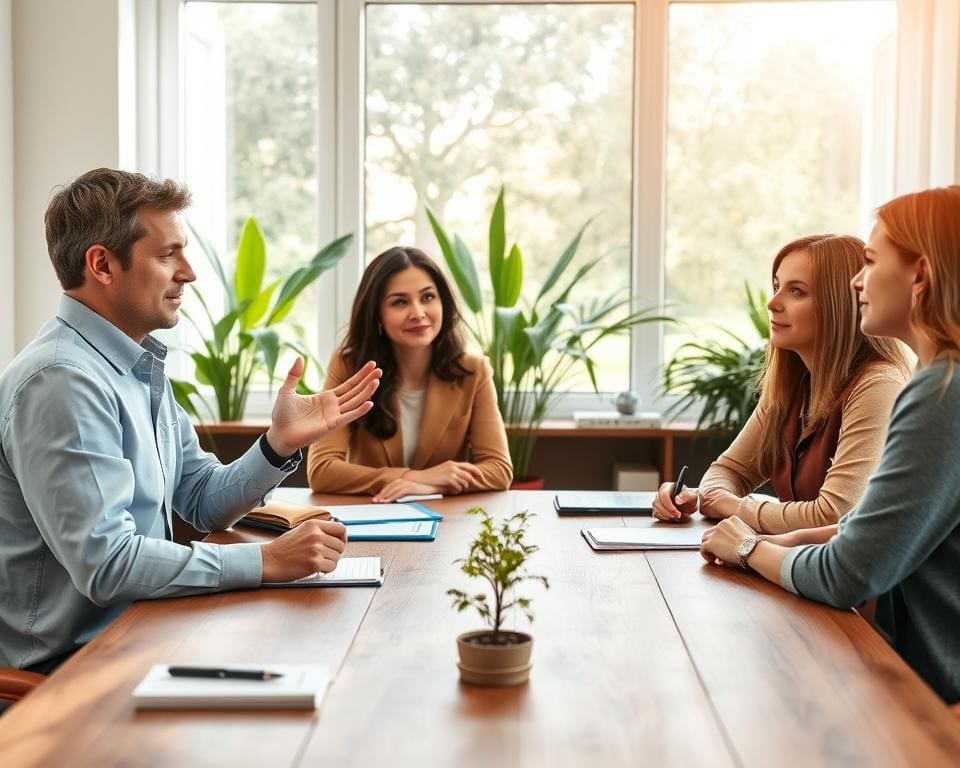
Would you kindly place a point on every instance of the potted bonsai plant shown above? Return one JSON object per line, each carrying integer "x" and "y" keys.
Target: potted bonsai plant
{"x": 498, "y": 555}
{"x": 537, "y": 350}
{"x": 245, "y": 339}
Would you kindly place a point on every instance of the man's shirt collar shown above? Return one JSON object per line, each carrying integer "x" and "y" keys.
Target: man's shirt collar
{"x": 114, "y": 345}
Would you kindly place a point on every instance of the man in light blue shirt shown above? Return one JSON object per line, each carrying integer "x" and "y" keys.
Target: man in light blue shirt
{"x": 96, "y": 456}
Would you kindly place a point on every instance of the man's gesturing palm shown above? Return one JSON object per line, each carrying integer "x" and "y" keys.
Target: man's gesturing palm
{"x": 299, "y": 420}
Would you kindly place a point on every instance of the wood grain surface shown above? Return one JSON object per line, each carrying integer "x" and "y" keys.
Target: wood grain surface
{"x": 638, "y": 659}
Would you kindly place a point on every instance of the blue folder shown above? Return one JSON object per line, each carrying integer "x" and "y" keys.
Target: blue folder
{"x": 385, "y": 513}
{"x": 426, "y": 531}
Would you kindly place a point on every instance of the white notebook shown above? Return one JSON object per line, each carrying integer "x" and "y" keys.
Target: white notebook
{"x": 350, "y": 572}
{"x": 301, "y": 687}
{"x": 665, "y": 536}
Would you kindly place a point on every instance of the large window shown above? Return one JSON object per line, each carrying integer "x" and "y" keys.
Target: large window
{"x": 321, "y": 118}
{"x": 463, "y": 98}
{"x": 778, "y": 126}
{"x": 250, "y": 136}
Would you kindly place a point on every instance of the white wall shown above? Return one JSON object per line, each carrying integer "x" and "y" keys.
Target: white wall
{"x": 65, "y": 121}
{"x": 6, "y": 186}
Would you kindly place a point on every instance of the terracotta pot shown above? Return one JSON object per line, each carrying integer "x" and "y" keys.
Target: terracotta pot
{"x": 483, "y": 662}
{"x": 528, "y": 483}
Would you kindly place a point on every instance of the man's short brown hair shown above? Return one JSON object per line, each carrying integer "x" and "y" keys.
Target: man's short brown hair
{"x": 100, "y": 208}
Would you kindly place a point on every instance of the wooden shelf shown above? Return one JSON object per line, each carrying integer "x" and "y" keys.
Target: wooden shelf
{"x": 549, "y": 428}
{"x": 559, "y": 439}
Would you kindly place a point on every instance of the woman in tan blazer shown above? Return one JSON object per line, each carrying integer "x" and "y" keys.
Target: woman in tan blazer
{"x": 435, "y": 426}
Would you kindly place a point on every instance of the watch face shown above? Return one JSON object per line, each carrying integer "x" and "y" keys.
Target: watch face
{"x": 746, "y": 546}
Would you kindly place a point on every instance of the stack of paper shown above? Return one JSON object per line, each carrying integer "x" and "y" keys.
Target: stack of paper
{"x": 661, "y": 536}
{"x": 302, "y": 686}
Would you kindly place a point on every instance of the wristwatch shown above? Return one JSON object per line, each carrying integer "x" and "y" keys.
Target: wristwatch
{"x": 746, "y": 549}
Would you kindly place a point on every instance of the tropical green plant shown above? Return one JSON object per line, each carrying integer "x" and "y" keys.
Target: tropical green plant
{"x": 245, "y": 339}
{"x": 721, "y": 375}
{"x": 535, "y": 352}
{"x": 498, "y": 555}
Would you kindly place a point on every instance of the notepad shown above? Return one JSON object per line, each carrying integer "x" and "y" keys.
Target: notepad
{"x": 663, "y": 536}
{"x": 301, "y": 687}
{"x": 425, "y": 530}
{"x": 604, "y": 503}
{"x": 418, "y": 497}
{"x": 350, "y": 572}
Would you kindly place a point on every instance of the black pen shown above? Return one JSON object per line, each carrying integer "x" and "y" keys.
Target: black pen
{"x": 678, "y": 484}
{"x": 223, "y": 674}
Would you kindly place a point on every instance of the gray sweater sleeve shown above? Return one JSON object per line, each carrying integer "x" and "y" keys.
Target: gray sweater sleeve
{"x": 910, "y": 507}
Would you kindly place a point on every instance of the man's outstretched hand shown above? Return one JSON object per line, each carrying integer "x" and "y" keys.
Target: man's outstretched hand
{"x": 299, "y": 420}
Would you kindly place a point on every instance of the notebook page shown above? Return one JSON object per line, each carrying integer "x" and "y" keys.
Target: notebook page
{"x": 348, "y": 569}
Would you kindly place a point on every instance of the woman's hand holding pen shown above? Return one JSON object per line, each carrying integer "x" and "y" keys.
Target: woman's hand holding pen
{"x": 666, "y": 508}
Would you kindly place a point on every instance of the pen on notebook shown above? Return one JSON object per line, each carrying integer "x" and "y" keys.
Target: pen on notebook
{"x": 223, "y": 674}
{"x": 678, "y": 484}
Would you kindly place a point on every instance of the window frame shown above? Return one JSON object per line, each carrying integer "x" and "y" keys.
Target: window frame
{"x": 340, "y": 172}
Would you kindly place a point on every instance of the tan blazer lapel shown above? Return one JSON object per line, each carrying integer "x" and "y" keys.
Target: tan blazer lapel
{"x": 440, "y": 405}
{"x": 393, "y": 448}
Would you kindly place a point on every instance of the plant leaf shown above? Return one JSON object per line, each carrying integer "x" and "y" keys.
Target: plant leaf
{"x": 183, "y": 393}
{"x": 268, "y": 342}
{"x": 511, "y": 278}
{"x": 561, "y": 265}
{"x": 459, "y": 262}
{"x": 326, "y": 258}
{"x": 215, "y": 262}
{"x": 251, "y": 262}
{"x": 498, "y": 242}
{"x": 258, "y": 307}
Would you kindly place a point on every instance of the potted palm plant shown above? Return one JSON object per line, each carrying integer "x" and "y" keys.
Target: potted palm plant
{"x": 536, "y": 350}
{"x": 244, "y": 340}
{"x": 498, "y": 555}
{"x": 721, "y": 376}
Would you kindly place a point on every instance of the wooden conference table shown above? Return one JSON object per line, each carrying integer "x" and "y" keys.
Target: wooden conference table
{"x": 638, "y": 659}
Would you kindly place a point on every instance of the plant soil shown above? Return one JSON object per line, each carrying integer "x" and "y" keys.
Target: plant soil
{"x": 499, "y": 638}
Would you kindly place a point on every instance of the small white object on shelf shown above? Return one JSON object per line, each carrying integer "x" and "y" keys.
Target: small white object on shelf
{"x": 639, "y": 420}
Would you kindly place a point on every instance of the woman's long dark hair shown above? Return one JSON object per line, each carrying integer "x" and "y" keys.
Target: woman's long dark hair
{"x": 366, "y": 341}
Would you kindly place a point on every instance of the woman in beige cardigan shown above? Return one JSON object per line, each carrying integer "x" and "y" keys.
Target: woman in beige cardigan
{"x": 435, "y": 426}
{"x": 825, "y": 400}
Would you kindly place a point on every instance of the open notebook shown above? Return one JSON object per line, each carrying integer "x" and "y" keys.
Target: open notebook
{"x": 350, "y": 572}
{"x": 302, "y": 686}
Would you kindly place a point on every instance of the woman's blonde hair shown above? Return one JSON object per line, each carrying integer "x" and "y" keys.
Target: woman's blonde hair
{"x": 840, "y": 348}
{"x": 927, "y": 223}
